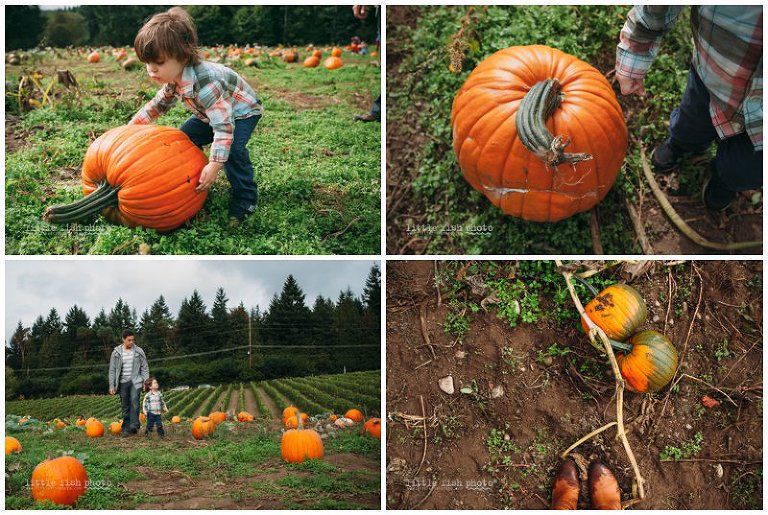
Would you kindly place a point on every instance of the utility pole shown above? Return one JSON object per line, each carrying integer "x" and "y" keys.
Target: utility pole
{"x": 250, "y": 341}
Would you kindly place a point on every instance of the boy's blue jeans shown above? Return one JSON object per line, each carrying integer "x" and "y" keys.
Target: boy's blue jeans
{"x": 737, "y": 165}
{"x": 238, "y": 166}
{"x": 154, "y": 419}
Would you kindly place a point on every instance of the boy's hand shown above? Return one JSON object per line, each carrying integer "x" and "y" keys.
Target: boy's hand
{"x": 208, "y": 175}
{"x": 630, "y": 86}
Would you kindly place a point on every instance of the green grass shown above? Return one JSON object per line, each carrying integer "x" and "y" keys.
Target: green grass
{"x": 423, "y": 89}
{"x": 317, "y": 170}
{"x": 237, "y": 454}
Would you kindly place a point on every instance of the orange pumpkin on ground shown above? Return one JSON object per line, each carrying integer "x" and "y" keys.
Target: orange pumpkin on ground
{"x": 138, "y": 175}
{"x": 290, "y": 411}
{"x": 332, "y": 63}
{"x": 301, "y": 444}
{"x": 12, "y": 445}
{"x": 317, "y": 53}
{"x": 373, "y": 428}
{"x": 61, "y": 480}
{"x": 115, "y": 427}
{"x": 80, "y": 422}
{"x": 94, "y": 57}
{"x": 336, "y": 52}
{"x": 355, "y": 414}
{"x": 514, "y": 116}
{"x": 244, "y": 416}
{"x": 176, "y": 419}
{"x": 311, "y": 62}
{"x": 647, "y": 361}
{"x": 94, "y": 429}
{"x": 202, "y": 427}
{"x": 142, "y": 418}
{"x": 618, "y": 310}
{"x": 218, "y": 417}
{"x": 290, "y": 57}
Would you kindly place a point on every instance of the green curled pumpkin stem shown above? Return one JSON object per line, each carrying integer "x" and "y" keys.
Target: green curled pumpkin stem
{"x": 620, "y": 346}
{"x": 105, "y": 195}
{"x": 583, "y": 281}
{"x": 531, "y": 121}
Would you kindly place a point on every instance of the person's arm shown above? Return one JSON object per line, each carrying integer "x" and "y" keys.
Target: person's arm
{"x": 143, "y": 370}
{"x": 163, "y": 101}
{"x": 218, "y": 108}
{"x": 112, "y": 373}
{"x": 162, "y": 401}
{"x": 145, "y": 404}
{"x": 639, "y": 43}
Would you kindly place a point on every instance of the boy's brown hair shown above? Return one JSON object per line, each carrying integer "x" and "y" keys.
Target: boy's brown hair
{"x": 168, "y": 34}
{"x": 148, "y": 382}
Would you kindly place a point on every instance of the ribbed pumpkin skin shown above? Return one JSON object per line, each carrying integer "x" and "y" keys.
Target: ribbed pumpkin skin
{"x": 650, "y": 365}
{"x": 62, "y": 480}
{"x": 618, "y": 310}
{"x": 202, "y": 427}
{"x": 157, "y": 170}
{"x": 12, "y": 445}
{"x": 494, "y": 161}
{"x": 355, "y": 414}
{"x": 373, "y": 428}
{"x": 94, "y": 429}
{"x": 298, "y": 445}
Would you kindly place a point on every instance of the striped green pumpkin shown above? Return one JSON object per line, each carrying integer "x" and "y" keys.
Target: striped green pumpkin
{"x": 651, "y": 363}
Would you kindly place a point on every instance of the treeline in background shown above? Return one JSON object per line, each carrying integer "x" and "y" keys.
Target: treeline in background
{"x": 198, "y": 345}
{"x": 27, "y": 26}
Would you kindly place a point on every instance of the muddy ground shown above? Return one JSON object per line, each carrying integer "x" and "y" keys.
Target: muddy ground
{"x": 490, "y": 453}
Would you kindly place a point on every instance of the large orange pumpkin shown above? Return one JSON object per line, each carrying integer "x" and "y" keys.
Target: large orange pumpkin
{"x": 61, "y": 480}
{"x": 648, "y": 363}
{"x": 513, "y": 118}
{"x": 373, "y": 428}
{"x": 218, "y": 417}
{"x": 298, "y": 445}
{"x": 332, "y": 63}
{"x": 202, "y": 427}
{"x": 139, "y": 175}
{"x": 94, "y": 429}
{"x": 12, "y": 445}
{"x": 618, "y": 310}
{"x": 115, "y": 427}
{"x": 355, "y": 414}
{"x": 311, "y": 62}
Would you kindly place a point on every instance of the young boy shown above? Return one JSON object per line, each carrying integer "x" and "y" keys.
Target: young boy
{"x": 154, "y": 406}
{"x": 224, "y": 106}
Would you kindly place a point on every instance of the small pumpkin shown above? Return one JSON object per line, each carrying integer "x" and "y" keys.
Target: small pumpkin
{"x": 202, "y": 427}
{"x": 142, "y": 418}
{"x": 318, "y": 54}
{"x": 12, "y": 445}
{"x": 503, "y": 119}
{"x": 94, "y": 430}
{"x": 373, "y": 428}
{"x": 618, "y": 310}
{"x": 138, "y": 175}
{"x": 301, "y": 444}
{"x": 291, "y": 422}
{"x": 94, "y": 57}
{"x": 290, "y": 411}
{"x": 333, "y": 418}
{"x": 59, "y": 424}
{"x": 332, "y": 63}
{"x": 176, "y": 419}
{"x": 344, "y": 422}
{"x": 647, "y": 361}
{"x": 218, "y": 417}
{"x": 355, "y": 415}
{"x": 311, "y": 62}
{"x": 80, "y": 422}
{"x": 244, "y": 416}
{"x": 61, "y": 480}
{"x": 336, "y": 52}
{"x": 115, "y": 427}
{"x": 290, "y": 57}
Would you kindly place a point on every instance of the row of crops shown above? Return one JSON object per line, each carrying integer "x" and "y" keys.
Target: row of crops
{"x": 315, "y": 395}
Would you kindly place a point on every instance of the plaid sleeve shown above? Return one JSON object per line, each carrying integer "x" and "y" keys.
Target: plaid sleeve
{"x": 640, "y": 38}
{"x": 218, "y": 108}
{"x": 163, "y": 101}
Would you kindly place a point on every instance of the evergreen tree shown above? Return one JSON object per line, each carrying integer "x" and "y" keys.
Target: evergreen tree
{"x": 24, "y": 25}
{"x": 220, "y": 315}
{"x": 105, "y": 335}
{"x": 17, "y": 354}
{"x": 288, "y": 317}
{"x": 372, "y": 291}
{"x": 194, "y": 325}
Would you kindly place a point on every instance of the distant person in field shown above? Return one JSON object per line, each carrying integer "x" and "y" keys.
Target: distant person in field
{"x": 225, "y": 109}
{"x": 154, "y": 406}
{"x": 361, "y": 13}
{"x": 723, "y": 101}
{"x": 128, "y": 369}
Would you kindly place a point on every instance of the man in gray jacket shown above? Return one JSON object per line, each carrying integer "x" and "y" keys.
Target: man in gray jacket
{"x": 128, "y": 369}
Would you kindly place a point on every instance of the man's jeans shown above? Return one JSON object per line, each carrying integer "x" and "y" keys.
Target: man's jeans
{"x": 238, "y": 166}
{"x": 129, "y": 400}
{"x": 737, "y": 164}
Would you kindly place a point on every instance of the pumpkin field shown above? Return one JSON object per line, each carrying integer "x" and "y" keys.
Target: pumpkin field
{"x": 229, "y": 458}
{"x": 492, "y": 382}
{"x": 481, "y": 160}
{"x": 317, "y": 170}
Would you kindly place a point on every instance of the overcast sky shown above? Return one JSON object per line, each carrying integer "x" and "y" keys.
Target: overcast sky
{"x": 34, "y": 287}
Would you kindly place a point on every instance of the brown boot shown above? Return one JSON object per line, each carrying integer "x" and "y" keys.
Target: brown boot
{"x": 565, "y": 492}
{"x": 603, "y": 488}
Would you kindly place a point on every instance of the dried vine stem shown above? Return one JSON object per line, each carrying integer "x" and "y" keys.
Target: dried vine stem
{"x": 594, "y": 333}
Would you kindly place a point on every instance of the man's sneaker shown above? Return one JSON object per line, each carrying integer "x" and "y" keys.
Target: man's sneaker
{"x": 715, "y": 194}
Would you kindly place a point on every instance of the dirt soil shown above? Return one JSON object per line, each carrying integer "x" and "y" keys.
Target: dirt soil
{"x": 405, "y": 144}
{"x": 250, "y": 402}
{"x": 274, "y": 411}
{"x": 548, "y": 404}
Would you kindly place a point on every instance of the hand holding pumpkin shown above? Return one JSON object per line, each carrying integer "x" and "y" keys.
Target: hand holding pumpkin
{"x": 208, "y": 175}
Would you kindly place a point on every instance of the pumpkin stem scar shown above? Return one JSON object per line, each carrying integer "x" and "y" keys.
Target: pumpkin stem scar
{"x": 531, "y": 121}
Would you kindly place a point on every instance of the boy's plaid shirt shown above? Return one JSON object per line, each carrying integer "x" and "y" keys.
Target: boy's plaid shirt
{"x": 215, "y": 94}
{"x": 154, "y": 403}
{"x": 728, "y": 56}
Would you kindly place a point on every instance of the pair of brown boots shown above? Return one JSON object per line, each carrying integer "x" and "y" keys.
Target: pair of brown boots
{"x": 603, "y": 488}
